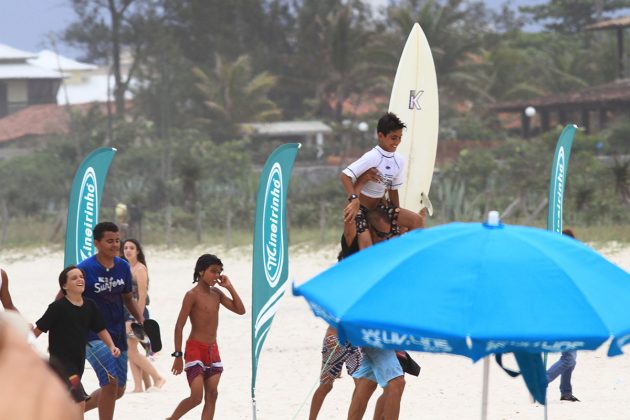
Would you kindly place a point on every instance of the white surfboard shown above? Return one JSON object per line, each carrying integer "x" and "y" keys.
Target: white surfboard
{"x": 415, "y": 100}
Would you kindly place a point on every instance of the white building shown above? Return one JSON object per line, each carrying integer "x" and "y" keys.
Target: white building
{"x": 22, "y": 83}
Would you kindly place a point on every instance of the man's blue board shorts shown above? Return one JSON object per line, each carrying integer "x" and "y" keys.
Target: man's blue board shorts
{"x": 380, "y": 366}
{"x": 106, "y": 366}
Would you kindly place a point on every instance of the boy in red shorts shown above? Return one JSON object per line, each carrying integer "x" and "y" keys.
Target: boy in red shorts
{"x": 203, "y": 363}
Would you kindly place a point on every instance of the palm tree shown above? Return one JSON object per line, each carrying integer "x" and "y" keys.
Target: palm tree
{"x": 455, "y": 31}
{"x": 233, "y": 95}
{"x": 331, "y": 63}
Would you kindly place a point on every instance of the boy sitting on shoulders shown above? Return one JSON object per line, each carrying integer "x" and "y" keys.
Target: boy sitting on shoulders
{"x": 388, "y": 167}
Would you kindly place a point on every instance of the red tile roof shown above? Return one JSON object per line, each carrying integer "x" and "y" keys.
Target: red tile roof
{"x": 36, "y": 120}
{"x": 39, "y": 120}
{"x": 617, "y": 23}
{"x": 613, "y": 94}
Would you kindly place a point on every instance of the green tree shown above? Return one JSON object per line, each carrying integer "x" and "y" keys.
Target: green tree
{"x": 204, "y": 28}
{"x": 571, "y": 16}
{"x": 106, "y": 30}
{"x": 618, "y": 151}
{"x": 456, "y": 32}
{"x": 531, "y": 65}
{"x": 232, "y": 95}
{"x": 226, "y": 187}
{"x": 331, "y": 64}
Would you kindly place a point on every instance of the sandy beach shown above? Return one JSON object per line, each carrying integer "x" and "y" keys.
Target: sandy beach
{"x": 449, "y": 387}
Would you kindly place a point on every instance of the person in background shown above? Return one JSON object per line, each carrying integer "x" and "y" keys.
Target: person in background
{"x": 142, "y": 370}
{"x": 566, "y": 364}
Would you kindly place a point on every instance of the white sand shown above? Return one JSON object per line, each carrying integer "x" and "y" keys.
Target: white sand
{"x": 449, "y": 387}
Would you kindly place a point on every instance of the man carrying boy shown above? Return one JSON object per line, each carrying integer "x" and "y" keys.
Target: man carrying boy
{"x": 378, "y": 366}
{"x": 108, "y": 283}
{"x": 68, "y": 321}
{"x": 389, "y": 166}
{"x": 203, "y": 362}
{"x": 334, "y": 353}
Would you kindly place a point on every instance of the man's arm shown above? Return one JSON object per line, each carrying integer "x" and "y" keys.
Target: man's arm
{"x": 132, "y": 307}
{"x": 352, "y": 208}
{"x": 393, "y": 197}
{"x": 235, "y": 304}
{"x": 350, "y": 177}
{"x": 349, "y": 231}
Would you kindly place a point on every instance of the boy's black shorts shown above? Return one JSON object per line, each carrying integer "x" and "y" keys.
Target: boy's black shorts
{"x": 392, "y": 212}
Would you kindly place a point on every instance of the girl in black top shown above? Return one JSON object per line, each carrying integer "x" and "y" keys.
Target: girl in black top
{"x": 67, "y": 322}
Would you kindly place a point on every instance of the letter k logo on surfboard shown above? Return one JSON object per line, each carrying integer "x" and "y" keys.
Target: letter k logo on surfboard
{"x": 414, "y": 99}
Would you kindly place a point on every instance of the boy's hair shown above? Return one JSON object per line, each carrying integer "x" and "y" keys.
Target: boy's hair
{"x": 101, "y": 228}
{"x": 63, "y": 277}
{"x": 388, "y": 123}
{"x": 141, "y": 257}
{"x": 568, "y": 232}
{"x": 205, "y": 261}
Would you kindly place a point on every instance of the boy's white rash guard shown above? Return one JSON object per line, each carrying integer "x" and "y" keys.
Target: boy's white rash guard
{"x": 389, "y": 165}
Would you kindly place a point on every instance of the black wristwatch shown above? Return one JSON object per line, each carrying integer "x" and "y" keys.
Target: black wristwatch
{"x": 352, "y": 197}
{"x": 177, "y": 354}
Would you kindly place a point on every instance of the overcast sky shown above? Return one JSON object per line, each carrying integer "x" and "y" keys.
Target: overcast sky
{"x": 27, "y": 24}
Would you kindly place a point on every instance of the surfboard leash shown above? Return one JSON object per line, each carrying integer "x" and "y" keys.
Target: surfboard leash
{"x": 310, "y": 392}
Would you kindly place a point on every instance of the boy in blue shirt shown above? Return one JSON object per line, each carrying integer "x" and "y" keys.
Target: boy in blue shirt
{"x": 108, "y": 283}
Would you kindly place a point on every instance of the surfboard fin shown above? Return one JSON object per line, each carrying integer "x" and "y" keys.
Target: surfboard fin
{"x": 426, "y": 203}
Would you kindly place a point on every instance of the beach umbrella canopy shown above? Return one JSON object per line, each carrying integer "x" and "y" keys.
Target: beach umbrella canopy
{"x": 475, "y": 289}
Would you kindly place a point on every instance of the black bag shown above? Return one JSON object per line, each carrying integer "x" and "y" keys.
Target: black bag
{"x": 407, "y": 363}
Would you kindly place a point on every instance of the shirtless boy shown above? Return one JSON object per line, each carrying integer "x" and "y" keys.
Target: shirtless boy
{"x": 203, "y": 364}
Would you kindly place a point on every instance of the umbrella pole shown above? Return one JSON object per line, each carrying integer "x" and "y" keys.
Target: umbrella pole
{"x": 545, "y": 354}
{"x": 484, "y": 395}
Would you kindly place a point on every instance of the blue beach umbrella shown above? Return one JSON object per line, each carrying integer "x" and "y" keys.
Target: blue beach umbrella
{"x": 476, "y": 289}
